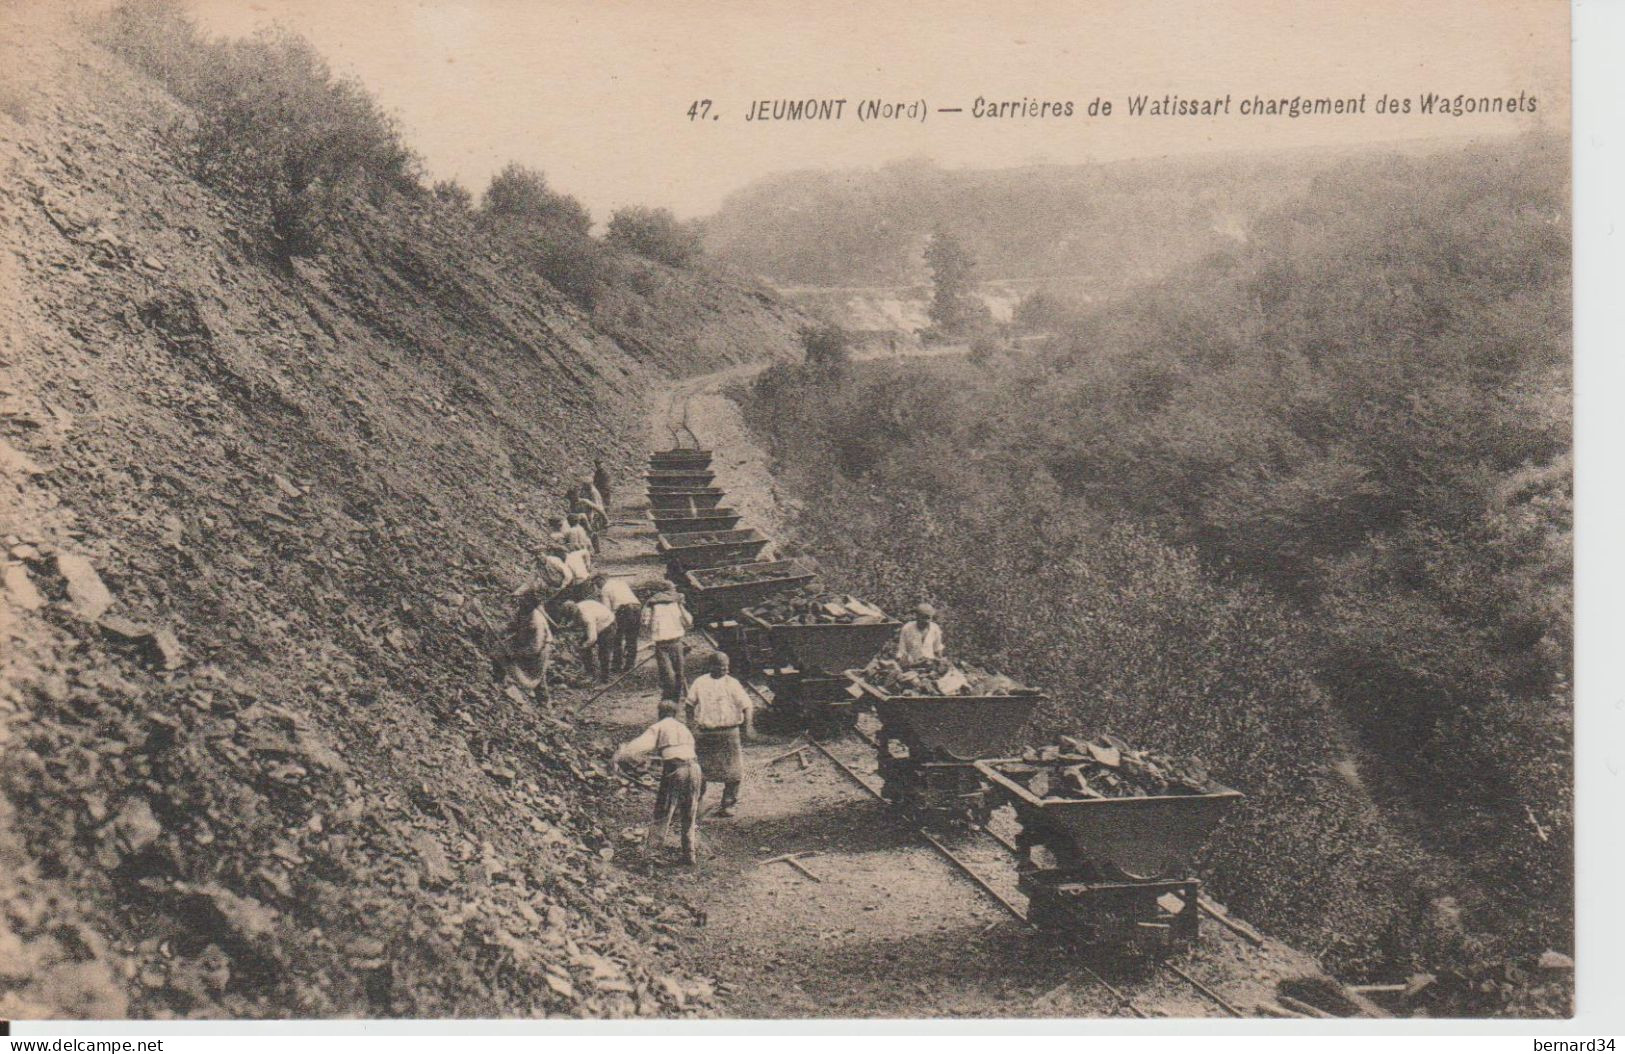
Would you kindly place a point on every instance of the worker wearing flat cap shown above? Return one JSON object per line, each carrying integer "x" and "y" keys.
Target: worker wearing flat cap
{"x": 920, "y": 640}
{"x": 678, "y": 797}
{"x": 669, "y": 621}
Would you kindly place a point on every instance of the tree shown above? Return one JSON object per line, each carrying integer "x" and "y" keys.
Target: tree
{"x": 519, "y": 193}
{"x": 955, "y": 310}
{"x": 274, "y": 129}
{"x": 454, "y": 194}
{"x": 654, "y": 233}
{"x": 827, "y": 345}
{"x": 550, "y": 231}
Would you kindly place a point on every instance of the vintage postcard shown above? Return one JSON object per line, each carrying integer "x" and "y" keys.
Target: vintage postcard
{"x": 786, "y": 510}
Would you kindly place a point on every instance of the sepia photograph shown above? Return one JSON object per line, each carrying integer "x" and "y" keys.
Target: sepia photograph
{"x": 781, "y": 512}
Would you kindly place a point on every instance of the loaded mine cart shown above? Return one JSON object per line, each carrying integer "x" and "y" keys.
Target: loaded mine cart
{"x": 698, "y": 550}
{"x": 675, "y": 521}
{"x": 719, "y": 594}
{"x": 816, "y": 637}
{"x": 684, "y": 499}
{"x": 680, "y": 459}
{"x": 671, "y": 477}
{"x": 1107, "y": 839}
{"x": 936, "y": 721}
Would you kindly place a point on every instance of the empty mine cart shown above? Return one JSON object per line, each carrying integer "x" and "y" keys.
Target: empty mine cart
{"x": 1109, "y": 870}
{"x": 725, "y": 591}
{"x": 701, "y": 549}
{"x": 679, "y": 477}
{"x": 684, "y": 499}
{"x": 675, "y": 521}
{"x": 680, "y": 459}
{"x": 928, "y": 744}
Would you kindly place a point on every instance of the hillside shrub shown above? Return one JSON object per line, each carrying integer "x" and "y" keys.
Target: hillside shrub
{"x": 275, "y": 129}
{"x": 654, "y": 233}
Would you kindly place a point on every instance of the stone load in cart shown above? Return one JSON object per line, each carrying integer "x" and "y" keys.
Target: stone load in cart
{"x": 725, "y": 591}
{"x": 928, "y": 743}
{"x": 698, "y": 550}
{"x": 1111, "y": 869}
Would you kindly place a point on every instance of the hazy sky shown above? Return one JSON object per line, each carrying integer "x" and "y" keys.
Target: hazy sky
{"x": 595, "y": 92}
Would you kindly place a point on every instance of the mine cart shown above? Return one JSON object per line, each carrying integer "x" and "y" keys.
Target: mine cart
{"x": 1109, "y": 870}
{"x": 702, "y": 549}
{"x": 748, "y": 648}
{"x": 829, "y": 648}
{"x": 814, "y": 654}
{"x": 928, "y": 743}
{"x": 674, "y": 521}
{"x": 724, "y": 591}
{"x": 684, "y": 499}
{"x": 683, "y": 459}
{"x": 657, "y": 478}
{"x": 819, "y": 704}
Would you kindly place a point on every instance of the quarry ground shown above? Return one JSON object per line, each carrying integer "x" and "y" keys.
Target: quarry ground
{"x": 887, "y": 928}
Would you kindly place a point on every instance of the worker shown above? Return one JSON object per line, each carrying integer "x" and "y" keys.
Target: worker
{"x": 591, "y": 504}
{"x": 576, "y": 535}
{"x": 669, "y": 622}
{"x": 719, "y": 712}
{"x": 624, "y": 604}
{"x": 681, "y": 780}
{"x": 579, "y": 563}
{"x": 530, "y": 648}
{"x": 600, "y": 479}
{"x": 920, "y": 640}
{"x": 555, "y": 571}
{"x": 597, "y": 627}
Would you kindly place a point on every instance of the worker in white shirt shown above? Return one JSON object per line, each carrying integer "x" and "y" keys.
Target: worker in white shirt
{"x": 921, "y": 639}
{"x": 555, "y": 570}
{"x": 624, "y": 604}
{"x": 576, "y": 535}
{"x": 669, "y": 622}
{"x": 681, "y": 780}
{"x": 530, "y": 650}
{"x": 719, "y": 712}
{"x": 597, "y": 625}
{"x": 579, "y": 563}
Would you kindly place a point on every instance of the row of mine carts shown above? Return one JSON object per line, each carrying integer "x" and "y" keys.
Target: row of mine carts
{"x": 1105, "y": 871}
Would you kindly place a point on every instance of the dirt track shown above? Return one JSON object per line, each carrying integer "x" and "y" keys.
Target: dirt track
{"x": 888, "y": 928}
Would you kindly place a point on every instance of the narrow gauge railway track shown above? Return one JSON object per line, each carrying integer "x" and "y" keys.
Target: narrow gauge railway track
{"x": 1207, "y": 993}
{"x": 1122, "y": 1001}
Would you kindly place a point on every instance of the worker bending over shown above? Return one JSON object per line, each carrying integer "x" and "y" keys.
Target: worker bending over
{"x": 530, "y": 648}
{"x": 681, "y": 780}
{"x": 624, "y": 604}
{"x": 597, "y": 625}
{"x": 921, "y": 639}
{"x": 719, "y": 712}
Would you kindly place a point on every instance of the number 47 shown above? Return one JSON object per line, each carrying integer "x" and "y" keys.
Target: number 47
{"x": 698, "y": 110}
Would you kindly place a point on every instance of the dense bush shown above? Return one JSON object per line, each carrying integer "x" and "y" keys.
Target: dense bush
{"x": 275, "y": 128}
{"x": 520, "y": 194}
{"x": 1304, "y": 510}
{"x": 654, "y": 233}
{"x": 826, "y": 344}
{"x": 549, "y": 232}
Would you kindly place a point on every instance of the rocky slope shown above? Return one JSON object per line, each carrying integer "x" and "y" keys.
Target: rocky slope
{"x": 257, "y": 521}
